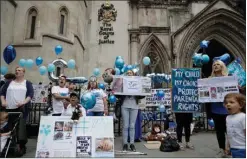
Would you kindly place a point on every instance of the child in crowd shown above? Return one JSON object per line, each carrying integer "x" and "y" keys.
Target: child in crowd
{"x": 235, "y": 122}
{"x": 4, "y": 129}
{"x": 74, "y": 108}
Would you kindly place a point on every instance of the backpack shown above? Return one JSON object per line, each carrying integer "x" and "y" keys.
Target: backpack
{"x": 169, "y": 144}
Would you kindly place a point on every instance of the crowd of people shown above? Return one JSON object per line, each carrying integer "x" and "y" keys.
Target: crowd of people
{"x": 229, "y": 116}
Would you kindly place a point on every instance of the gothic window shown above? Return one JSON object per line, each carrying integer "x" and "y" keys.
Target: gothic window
{"x": 63, "y": 21}
{"x": 31, "y": 23}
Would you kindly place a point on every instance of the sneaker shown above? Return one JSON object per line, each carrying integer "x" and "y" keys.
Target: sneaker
{"x": 221, "y": 154}
{"x": 189, "y": 145}
{"x": 181, "y": 146}
{"x": 125, "y": 147}
{"x": 137, "y": 140}
{"x": 132, "y": 147}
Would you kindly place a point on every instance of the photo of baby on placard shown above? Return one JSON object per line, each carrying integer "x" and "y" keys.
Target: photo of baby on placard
{"x": 58, "y": 130}
{"x": 213, "y": 92}
{"x": 104, "y": 144}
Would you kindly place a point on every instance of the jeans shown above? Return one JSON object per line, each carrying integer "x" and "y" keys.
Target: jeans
{"x": 238, "y": 153}
{"x": 95, "y": 114}
{"x": 129, "y": 119}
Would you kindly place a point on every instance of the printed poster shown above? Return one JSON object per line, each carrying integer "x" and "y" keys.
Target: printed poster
{"x": 214, "y": 89}
{"x": 153, "y": 100}
{"x": 184, "y": 90}
{"x": 131, "y": 85}
{"x": 40, "y": 93}
{"x": 60, "y": 137}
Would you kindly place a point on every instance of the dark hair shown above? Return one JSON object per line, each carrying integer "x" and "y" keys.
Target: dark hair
{"x": 153, "y": 129}
{"x": 73, "y": 94}
{"x": 241, "y": 99}
{"x": 9, "y": 76}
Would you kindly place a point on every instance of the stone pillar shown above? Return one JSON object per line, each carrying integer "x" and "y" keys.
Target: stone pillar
{"x": 134, "y": 37}
{"x": 134, "y": 40}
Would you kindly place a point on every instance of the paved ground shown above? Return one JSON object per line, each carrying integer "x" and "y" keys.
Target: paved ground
{"x": 205, "y": 147}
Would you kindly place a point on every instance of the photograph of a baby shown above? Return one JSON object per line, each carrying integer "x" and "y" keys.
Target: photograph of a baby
{"x": 104, "y": 145}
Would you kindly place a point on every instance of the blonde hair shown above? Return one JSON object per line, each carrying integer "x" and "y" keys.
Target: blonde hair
{"x": 224, "y": 70}
{"x": 3, "y": 116}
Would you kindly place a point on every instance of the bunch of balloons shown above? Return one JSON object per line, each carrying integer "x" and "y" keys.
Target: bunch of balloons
{"x": 160, "y": 77}
{"x": 200, "y": 59}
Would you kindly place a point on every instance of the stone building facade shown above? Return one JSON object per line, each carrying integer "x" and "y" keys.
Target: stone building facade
{"x": 168, "y": 31}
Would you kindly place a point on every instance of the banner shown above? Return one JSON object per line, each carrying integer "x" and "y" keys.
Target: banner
{"x": 131, "y": 85}
{"x": 59, "y": 137}
{"x": 184, "y": 89}
{"x": 214, "y": 89}
{"x": 40, "y": 93}
{"x": 152, "y": 100}
{"x": 235, "y": 68}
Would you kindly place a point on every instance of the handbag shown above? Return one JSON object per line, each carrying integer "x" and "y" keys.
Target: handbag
{"x": 169, "y": 144}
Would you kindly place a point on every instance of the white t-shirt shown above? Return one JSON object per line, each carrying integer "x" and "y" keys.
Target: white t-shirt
{"x": 235, "y": 125}
{"x": 16, "y": 93}
{"x": 130, "y": 102}
{"x": 58, "y": 104}
{"x": 99, "y": 106}
{"x": 69, "y": 111}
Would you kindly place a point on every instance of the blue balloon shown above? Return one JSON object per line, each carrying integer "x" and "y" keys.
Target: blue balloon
{"x": 101, "y": 86}
{"x": 160, "y": 94}
{"x": 119, "y": 57}
{"x": 204, "y": 44}
{"x": 119, "y": 63}
{"x": 205, "y": 59}
{"x": 96, "y": 72}
{"x": 146, "y": 60}
{"x": 58, "y": 49}
{"x": 71, "y": 64}
{"x": 4, "y": 70}
{"x": 117, "y": 71}
{"x": 162, "y": 108}
{"x": 29, "y": 63}
{"x": 9, "y": 54}
{"x": 211, "y": 122}
{"x": 224, "y": 58}
{"x": 39, "y": 61}
{"x": 22, "y": 62}
{"x": 42, "y": 70}
{"x": 88, "y": 100}
{"x": 112, "y": 99}
{"x": 129, "y": 67}
{"x": 51, "y": 67}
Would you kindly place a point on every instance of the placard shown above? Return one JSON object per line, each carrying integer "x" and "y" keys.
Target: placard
{"x": 59, "y": 137}
{"x": 214, "y": 89}
{"x": 153, "y": 100}
{"x": 184, "y": 90}
{"x": 131, "y": 85}
{"x": 40, "y": 93}
{"x": 236, "y": 69}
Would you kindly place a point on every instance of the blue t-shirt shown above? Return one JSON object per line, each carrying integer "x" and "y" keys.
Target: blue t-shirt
{"x": 218, "y": 108}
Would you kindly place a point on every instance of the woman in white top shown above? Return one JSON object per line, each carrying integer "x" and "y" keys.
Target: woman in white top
{"x": 100, "y": 108}
{"x": 74, "y": 100}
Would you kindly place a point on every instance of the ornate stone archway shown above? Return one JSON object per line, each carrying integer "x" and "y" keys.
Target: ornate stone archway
{"x": 223, "y": 25}
{"x": 153, "y": 48}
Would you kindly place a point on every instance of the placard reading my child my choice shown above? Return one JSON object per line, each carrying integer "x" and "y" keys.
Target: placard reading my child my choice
{"x": 184, "y": 89}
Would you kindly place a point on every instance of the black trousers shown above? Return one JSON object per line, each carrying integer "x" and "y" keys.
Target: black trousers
{"x": 220, "y": 128}
{"x": 183, "y": 121}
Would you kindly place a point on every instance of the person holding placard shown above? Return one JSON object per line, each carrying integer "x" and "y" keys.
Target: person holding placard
{"x": 219, "y": 112}
{"x": 129, "y": 110}
{"x": 101, "y": 107}
{"x": 60, "y": 96}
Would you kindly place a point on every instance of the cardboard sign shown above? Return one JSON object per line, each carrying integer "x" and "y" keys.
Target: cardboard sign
{"x": 40, "y": 93}
{"x": 131, "y": 85}
{"x": 59, "y": 137}
{"x": 184, "y": 89}
{"x": 153, "y": 100}
{"x": 214, "y": 89}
